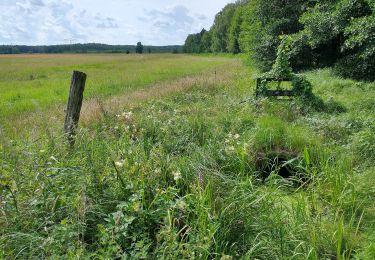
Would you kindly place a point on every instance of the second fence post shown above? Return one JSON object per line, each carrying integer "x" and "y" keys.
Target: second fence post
{"x": 73, "y": 109}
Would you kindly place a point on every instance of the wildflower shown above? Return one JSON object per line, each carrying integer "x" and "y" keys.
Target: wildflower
{"x": 201, "y": 181}
{"x": 231, "y": 148}
{"x": 177, "y": 175}
{"x": 157, "y": 170}
{"x": 120, "y": 164}
{"x": 127, "y": 115}
{"x": 236, "y": 136}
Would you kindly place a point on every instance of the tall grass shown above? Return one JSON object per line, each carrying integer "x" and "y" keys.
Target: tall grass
{"x": 196, "y": 175}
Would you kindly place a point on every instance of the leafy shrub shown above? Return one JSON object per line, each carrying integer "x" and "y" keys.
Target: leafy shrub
{"x": 281, "y": 70}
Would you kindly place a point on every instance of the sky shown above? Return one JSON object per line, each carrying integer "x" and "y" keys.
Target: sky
{"x": 153, "y": 22}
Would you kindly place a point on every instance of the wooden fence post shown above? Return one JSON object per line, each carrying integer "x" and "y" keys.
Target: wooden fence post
{"x": 73, "y": 109}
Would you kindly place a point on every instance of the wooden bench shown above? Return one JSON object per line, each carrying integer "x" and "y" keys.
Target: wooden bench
{"x": 273, "y": 93}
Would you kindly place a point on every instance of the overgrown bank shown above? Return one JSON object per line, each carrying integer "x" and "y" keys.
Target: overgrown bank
{"x": 198, "y": 174}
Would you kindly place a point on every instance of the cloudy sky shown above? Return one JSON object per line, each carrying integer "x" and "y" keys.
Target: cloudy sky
{"x": 156, "y": 22}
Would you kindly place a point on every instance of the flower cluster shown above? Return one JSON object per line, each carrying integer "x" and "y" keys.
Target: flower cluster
{"x": 126, "y": 116}
{"x": 128, "y": 119}
{"x": 177, "y": 175}
{"x": 231, "y": 141}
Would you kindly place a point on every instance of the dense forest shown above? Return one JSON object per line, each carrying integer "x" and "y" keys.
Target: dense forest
{"x": 86, "y": 48}
{"x": 337, "y": 33}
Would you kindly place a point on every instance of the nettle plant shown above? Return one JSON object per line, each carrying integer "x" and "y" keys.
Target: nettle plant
{"x": 282, "y": 71}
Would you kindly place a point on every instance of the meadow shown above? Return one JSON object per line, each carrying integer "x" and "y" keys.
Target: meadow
{"x": 33, "y": 82}
{"x": 175, "y": 158}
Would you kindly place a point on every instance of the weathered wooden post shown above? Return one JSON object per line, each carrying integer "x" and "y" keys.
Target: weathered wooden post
{"x": 73, "y": 110}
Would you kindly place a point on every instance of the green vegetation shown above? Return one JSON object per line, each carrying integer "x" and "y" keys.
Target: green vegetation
{"x": 35, "y": 82}
{"x": 139, "y": 48}
{"x": 84, "y": 48}
{"x": 282, "y": 71}
{"x": 176, "y": 159}
{"x": 195, "y": 174}
{"x": 338, "y": 33}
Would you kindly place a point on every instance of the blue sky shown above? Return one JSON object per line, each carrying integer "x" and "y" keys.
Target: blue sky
{"x": 156, "y": 22}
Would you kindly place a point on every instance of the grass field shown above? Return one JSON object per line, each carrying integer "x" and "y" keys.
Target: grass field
{"x": 177, "y": 166}
{"x": 34, "y": 82}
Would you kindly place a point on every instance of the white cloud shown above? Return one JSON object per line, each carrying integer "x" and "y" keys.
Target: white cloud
{"x": 171, "y": 24}
{"x": 112, "y": 21}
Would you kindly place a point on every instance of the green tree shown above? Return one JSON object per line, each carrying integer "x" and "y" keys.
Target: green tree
{"x": 220, "y": 29}
{"x": 206, "y": 41}
{"x": 139, "y": 48}
{"x": 263, "y": 23}
{"x": 341, "y": 32}
{"x": 234, "y": 31}
{"x": 193, "y": 43}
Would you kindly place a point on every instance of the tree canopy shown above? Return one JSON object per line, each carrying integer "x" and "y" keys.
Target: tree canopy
{"x": 139, "y": 48}
{"x": 338, "y": 33}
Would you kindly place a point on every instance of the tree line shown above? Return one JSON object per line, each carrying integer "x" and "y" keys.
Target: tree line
{"x": 337, "y": 33}
{"x": 89, "y": 48}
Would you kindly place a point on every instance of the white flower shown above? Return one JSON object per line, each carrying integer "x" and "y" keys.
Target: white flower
{"x": 127, "y": 115}
{"x": 177, "y": 175}
{"x": 120, "y": 164}
{"x": 236, "y": 136}
{"x": 231, "y": 148}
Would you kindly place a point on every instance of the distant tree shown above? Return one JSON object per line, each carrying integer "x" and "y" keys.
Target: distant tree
{"x": 149, "y": 50}
{"x": 194, "y": 43}
{"x": 127, "y": 51}
{"x": 139, "y": 48}
{"x": 175, "y": 51}
{"x": 206, "y": 42}
{"x": 14, "y": 50}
